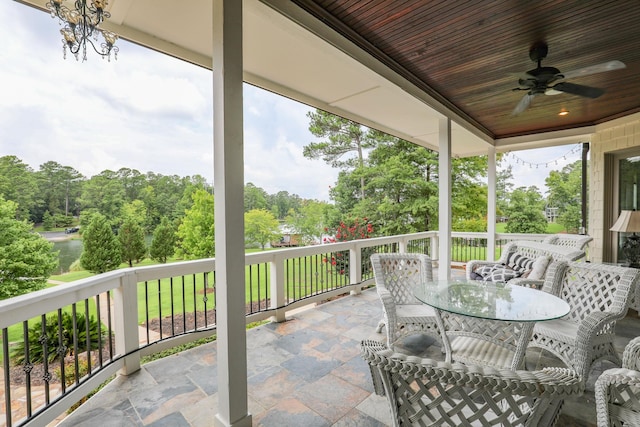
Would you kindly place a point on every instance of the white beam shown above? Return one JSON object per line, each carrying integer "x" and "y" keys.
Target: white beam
{"x": 491, "y": 204}
{"x": 444, "y": 198}
{"x": 228, "y": 179}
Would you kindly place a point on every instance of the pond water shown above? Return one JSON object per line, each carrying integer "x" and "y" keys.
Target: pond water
{"x": 70, "y": 251}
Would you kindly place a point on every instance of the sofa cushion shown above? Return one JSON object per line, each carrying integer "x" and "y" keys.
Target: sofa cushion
{"x": 519, "y": 262}
{"x": 539, "y": 267}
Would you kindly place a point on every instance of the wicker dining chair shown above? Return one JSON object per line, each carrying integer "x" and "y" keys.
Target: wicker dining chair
{"x": 598, "y": 297}
{"x": 618, "y": 391}
{"x": 395, "y": 276}
{"x": 424, "y": 392}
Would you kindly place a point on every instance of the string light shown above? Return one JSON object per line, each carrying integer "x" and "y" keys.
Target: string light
{"x": 576, "y": 149}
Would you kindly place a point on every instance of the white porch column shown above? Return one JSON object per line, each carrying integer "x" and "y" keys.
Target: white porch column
{"x": 491, "y": 203}
{"x": 228, "y": 182}
{"x": 444, "y": 198}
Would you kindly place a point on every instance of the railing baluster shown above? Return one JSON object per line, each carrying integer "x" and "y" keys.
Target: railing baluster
{"x": 159, "y": 307}
{"x": 173, "y": 314}
{"x": 146, "y": 309}
{"x": 184, "y": 307}
{"x": 258, "y": 288}
{"x": 205, "y": 298}
{"x": 215, "y": 300}
{"x": 46, "y": 375}
{"x": 7, "y": 377}
{"x": 195, "y": 307}
{"x": 27, "y": 367}
{"x": 100, "y": 344}
{"x": 62, "y": 352}
{"x": 110, "y": 330}
{"x": 88, "y": 332}
{"x": 76, "y": 361}
{"x": 249, "y": 310}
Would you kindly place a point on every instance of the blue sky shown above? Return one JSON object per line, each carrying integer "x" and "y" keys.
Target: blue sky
{"x": 151, "y": 112}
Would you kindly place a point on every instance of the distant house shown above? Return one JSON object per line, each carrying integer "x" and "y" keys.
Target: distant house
{"x": 288, "y": 238}
{"x": 551, "y": 213}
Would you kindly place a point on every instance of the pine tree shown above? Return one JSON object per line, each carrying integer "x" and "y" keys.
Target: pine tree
{"x": 47, "y": 221}
{"x": 101, "y": 252}
{"x": 163, "y": 242}
{"x": 131, "y": 238}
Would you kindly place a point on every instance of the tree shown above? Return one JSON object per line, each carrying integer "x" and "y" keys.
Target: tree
{"x": 131, "y": 238}
{"x": 163, "y": 242}
{"x": 565, "y": 193}
{"x": 27, "y": 259}
{"x": 59, "y": 187}
{"x": 101, "y": 249}
{"x": 104, "y": 192}
{"x": 282, "y": 203}
{"x": 525, "y": 212}
{"x": 47, "y": 221}
{"x": 401, "y": 189}
{"x": 342, "y": 137}
{"x": 310, "y": 221}
{"x": 504, "y": 187}
{"x": 18, "y": 184}
{"x": 132, "y": 182}
{"x": 196, "y": 233}
{"x": 135, "y": 211}
{"x": 254, "y": 197}
{"x": 468, "y": 193}
{"x": 261, "y": 226}
{"x": 571, "y": 219}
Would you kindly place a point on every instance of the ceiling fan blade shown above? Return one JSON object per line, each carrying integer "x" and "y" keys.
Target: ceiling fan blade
{"x": 580, "y": 90}
{"x": 594, "y": 69}
{"x": 522, "y": 105}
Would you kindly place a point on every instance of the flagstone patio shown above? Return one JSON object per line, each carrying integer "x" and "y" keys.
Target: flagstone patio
{"x": 306, "y": 371}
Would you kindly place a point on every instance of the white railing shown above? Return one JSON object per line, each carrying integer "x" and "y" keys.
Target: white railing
{"x": 120, "y": 298}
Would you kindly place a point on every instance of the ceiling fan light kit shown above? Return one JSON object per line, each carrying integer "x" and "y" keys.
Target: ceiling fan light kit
{"x": 550, "y": 81}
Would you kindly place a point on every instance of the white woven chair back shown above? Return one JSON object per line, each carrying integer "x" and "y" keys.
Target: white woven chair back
{"x": 424, "y": 392}
{"x": 399, "y": 272}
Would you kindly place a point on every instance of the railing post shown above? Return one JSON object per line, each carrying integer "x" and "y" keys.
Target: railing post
{"x": 277, "y": 289}
{"x": 355, "y": 274}
{"x": 125, "y": 301}
{"x": 435, "y": 244}
{"x": 402, "y": 246}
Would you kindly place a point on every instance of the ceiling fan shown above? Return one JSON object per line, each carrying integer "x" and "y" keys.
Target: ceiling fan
{"x": 550, "y": 81}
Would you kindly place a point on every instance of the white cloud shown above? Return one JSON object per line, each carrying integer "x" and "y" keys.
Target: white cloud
{"x": 145, "y": 111}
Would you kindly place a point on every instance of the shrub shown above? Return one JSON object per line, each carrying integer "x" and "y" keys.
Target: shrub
{"x": 359, "y": 229}
{"x": 57, "y": 346}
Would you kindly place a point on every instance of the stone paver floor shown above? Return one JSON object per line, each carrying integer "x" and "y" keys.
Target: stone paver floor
{"x": 306, "y": 371}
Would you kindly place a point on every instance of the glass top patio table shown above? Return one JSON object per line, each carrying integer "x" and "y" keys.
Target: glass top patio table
{"x": 493, "y": 301}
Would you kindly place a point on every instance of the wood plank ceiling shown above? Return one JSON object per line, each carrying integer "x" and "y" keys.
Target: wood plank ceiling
{"x": 472, "y": 52}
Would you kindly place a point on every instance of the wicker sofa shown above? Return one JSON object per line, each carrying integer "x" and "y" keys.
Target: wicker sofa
{"x": 522, "y": 261}
{"x": 576, "y": 241}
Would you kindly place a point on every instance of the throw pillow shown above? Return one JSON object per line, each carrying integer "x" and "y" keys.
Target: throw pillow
{"x": 484, "y": 270}
{"x": 519, "y": 262}
{"x": 501, "y": 274}
{"x": 539, "y": 267}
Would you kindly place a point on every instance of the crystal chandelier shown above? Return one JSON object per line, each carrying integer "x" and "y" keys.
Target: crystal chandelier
{"x": 81, "y": 26}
